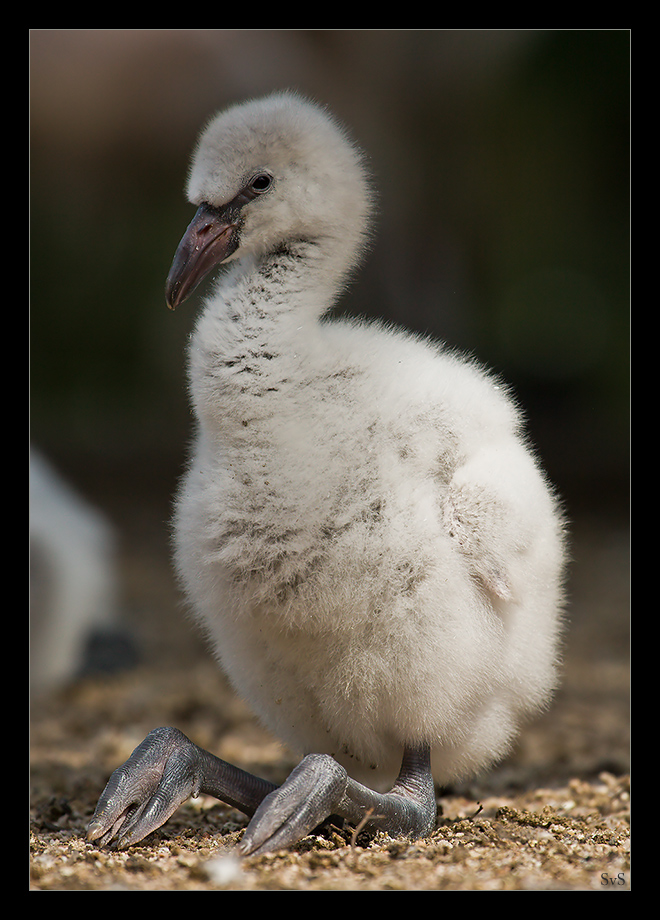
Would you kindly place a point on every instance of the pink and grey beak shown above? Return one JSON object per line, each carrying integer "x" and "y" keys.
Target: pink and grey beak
{"x": 212, "y": 236}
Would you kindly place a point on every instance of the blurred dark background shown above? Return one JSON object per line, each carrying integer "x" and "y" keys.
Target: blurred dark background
{"x": 502, "y": 163}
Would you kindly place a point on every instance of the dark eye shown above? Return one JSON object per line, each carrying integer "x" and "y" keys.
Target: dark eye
{"x": 257, "y": 185}
{"x": 261, "y": 183}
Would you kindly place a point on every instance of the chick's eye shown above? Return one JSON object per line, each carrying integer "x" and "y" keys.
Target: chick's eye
{"x": 257, "y": 185}
{"x": 261, "y": 183}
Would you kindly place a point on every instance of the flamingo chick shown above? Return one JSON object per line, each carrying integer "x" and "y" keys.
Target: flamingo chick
{"x": 362, "y": 532}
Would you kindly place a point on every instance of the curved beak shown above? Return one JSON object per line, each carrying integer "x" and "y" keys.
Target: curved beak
{"x": 211, "y": 237}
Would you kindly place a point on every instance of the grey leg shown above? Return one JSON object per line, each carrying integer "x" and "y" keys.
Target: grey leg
{"x": 159, "y": 776}
{"x": 167, "y": 768}
{"x": 320, "y": 787}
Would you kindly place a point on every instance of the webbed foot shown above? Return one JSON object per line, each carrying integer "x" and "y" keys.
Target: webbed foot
{"x": 161, "y": 774}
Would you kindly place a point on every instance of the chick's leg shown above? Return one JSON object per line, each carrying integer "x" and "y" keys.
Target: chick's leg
{"x": 167, "y": 768}
{"x": 159, "y": 776}
{"x": 320, "y": 787}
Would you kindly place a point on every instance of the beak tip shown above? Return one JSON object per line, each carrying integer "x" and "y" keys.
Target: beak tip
{"x": 174, "y": 293}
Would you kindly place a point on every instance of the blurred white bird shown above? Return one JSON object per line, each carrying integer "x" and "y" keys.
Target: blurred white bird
{"x": 363, "y": 533}
{"x": 75, "y": 626}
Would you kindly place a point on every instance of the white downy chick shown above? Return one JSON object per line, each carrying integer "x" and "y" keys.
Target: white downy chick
{"x": 362, "y": 533}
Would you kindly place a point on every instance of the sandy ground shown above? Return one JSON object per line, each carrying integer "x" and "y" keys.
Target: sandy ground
{"x": 555, "y": 816}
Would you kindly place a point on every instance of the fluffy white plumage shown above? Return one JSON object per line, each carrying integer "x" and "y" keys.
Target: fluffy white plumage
{"x": 73, "y": 577}
{"x": 362, "y": 533}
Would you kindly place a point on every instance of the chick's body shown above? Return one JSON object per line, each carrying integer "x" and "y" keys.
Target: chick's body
{"x": 362, "y": 533}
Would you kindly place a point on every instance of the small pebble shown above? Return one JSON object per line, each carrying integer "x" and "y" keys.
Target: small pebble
{"x": 223, "y": 870}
